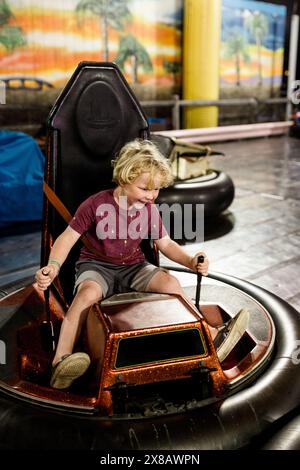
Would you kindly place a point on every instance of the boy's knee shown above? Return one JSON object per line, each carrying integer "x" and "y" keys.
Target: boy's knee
{"x": 167, "y": 284}
{"x": 90, "y": 292}
{"x": 172, "y": 285}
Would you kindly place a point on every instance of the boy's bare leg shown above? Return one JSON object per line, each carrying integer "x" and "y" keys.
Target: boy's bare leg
{"x": 166, "y": 283}
{"x": 88, "y": 293}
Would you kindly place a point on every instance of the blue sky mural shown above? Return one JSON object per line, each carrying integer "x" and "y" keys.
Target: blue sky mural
{"x": 252, "y": 38}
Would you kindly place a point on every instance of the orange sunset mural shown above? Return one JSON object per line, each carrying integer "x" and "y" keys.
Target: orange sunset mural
{"x": 46, "y": 39}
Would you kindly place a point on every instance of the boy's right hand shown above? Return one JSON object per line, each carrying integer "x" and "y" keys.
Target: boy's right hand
{"x": 45, "y": 276}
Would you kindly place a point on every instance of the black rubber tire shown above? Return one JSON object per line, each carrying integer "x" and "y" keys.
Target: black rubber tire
{"x": 215, "y": 193}
{"x": 286, "y": 437}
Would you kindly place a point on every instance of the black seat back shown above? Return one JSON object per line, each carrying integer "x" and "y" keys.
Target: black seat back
{"x": 94, "y": 116}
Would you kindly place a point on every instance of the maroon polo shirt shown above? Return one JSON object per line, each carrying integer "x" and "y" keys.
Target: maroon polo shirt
{"x": 116, "y": 232}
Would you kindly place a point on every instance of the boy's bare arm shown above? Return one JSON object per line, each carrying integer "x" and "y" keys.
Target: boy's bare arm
{"x": 58, "y": 255}
{"x": 173, "y": 251}
{"x": 63, "y": 244}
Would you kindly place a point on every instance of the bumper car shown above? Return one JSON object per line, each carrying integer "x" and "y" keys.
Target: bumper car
{"x": 195, "y": 181}
{"x": 155, "y": 381}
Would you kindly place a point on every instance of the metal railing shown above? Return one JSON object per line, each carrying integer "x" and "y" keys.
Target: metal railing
{"x": 176, "y": 104}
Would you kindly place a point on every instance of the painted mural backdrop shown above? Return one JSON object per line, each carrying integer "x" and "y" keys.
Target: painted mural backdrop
{"x": 252, "y": 47}
{"x": 46, "y": 39}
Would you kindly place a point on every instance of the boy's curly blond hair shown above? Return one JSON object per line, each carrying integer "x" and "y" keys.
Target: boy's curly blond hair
{"x": 140, "y": 156}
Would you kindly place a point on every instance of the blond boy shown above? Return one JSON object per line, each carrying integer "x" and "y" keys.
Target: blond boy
{"x": 115, "y": 221}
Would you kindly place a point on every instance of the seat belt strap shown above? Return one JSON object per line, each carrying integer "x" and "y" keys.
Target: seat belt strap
{"x": 57, "y": 203}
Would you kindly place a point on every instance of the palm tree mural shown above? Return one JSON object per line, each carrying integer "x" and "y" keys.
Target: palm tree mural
{"x": 131, "y": 49}
{"x": 172, "y": 67}
{"x": 5, "y": 13}
{"x": 257, "y": 24}
{"x": 10, "y": 36}
{"x": 112, "y": 13}
{"x": 236, "y": 47}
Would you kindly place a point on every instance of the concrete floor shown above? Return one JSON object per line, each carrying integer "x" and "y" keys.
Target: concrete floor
{"x": 257, "y": 239}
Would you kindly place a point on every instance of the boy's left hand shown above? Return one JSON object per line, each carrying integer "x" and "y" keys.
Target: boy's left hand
{"x": 200, "y": 267}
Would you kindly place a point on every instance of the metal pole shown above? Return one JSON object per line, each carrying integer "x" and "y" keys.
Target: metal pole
{"x": 292, "y": 62}
{"x": 176, "y": 113}
{"x": 177, "y": 103}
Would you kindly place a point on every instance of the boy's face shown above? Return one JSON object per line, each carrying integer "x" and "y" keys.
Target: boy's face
{"x": 140, "y": 193}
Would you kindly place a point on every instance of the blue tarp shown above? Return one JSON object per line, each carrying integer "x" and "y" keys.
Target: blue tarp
{"x": 21, "y": 178}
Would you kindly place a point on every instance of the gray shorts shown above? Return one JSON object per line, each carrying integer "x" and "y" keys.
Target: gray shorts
{"x": 115, "y": 278}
